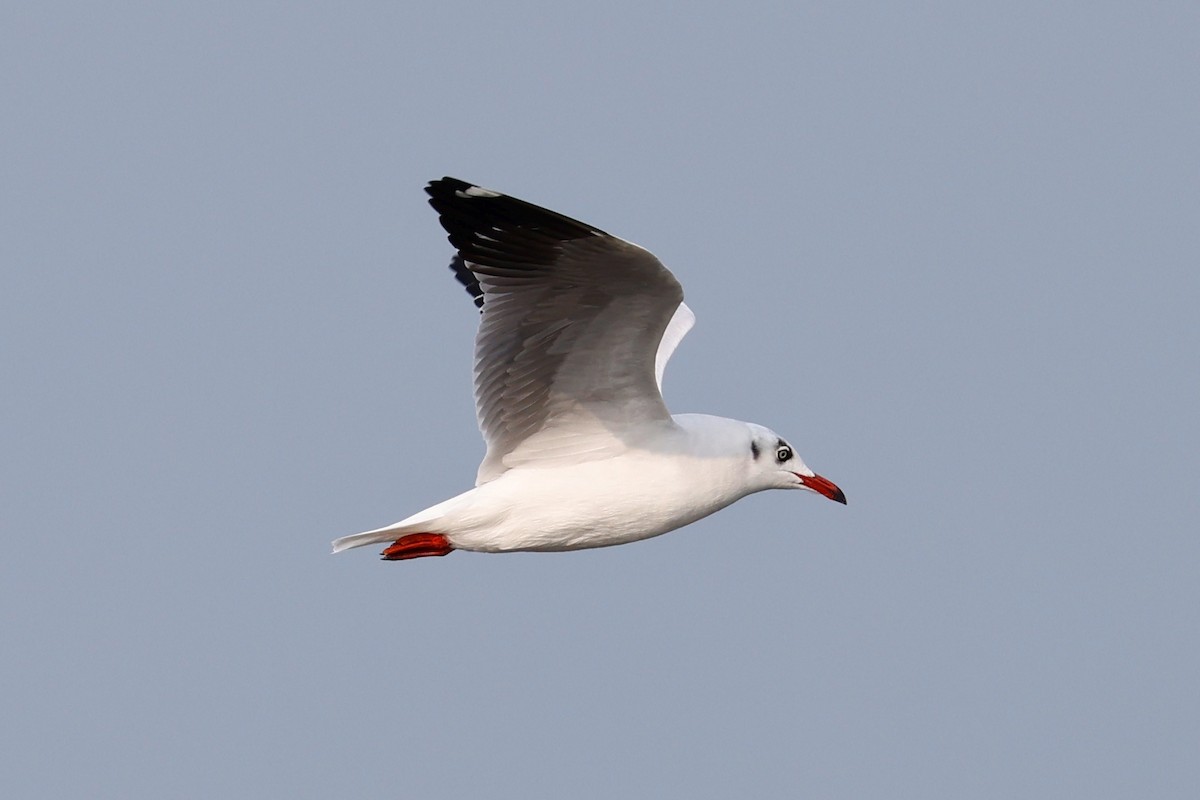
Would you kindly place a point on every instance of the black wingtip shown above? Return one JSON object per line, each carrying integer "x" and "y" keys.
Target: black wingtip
{"x": 493, "y": 231}
{"x": 465, "y": 207}
{"x": 447, "y": 186}
{"x": 467, "y": 278}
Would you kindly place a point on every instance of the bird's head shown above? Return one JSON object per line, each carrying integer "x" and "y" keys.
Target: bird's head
{"x": 777, "y": 466}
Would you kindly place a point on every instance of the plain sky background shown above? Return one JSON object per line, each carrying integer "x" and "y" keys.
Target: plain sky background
{"x": 950, "y": 250}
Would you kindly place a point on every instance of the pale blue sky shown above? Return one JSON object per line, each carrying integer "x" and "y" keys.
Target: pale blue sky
{"x": 949, "y": 250}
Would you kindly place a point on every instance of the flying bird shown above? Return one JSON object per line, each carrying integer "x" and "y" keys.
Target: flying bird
{"x": 575, "y": 332}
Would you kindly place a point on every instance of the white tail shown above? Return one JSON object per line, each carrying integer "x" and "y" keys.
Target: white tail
{"x": 379, "y": 535}
{"x": 421, "y": 522}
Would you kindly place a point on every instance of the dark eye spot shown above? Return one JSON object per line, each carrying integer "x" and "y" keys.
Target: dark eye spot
{"x": 783, "y": 453}
{"x": 754, "y": 449}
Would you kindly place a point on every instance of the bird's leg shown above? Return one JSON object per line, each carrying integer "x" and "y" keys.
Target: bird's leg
{"x": 417, "y": 545}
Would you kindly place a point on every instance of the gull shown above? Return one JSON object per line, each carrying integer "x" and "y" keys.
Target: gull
{"x": 575, "y": 332}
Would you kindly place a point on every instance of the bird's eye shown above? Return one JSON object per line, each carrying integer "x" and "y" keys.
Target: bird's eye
{"x": 783, "y": 453}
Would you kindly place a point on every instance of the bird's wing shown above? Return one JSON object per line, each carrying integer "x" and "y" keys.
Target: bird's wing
{"x": 576, "y": 329}
{"x": 681, "y": 322}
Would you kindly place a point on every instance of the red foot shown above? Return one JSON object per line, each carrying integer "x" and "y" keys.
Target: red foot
{"x": 417, "y": 545}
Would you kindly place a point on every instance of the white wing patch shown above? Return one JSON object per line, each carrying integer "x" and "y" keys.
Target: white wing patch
{"x": 477, "y": 191}
{"x": 681, "y": 322}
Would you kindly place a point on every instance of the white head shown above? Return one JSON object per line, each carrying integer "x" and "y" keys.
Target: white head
{"x": 775, "y": 465}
